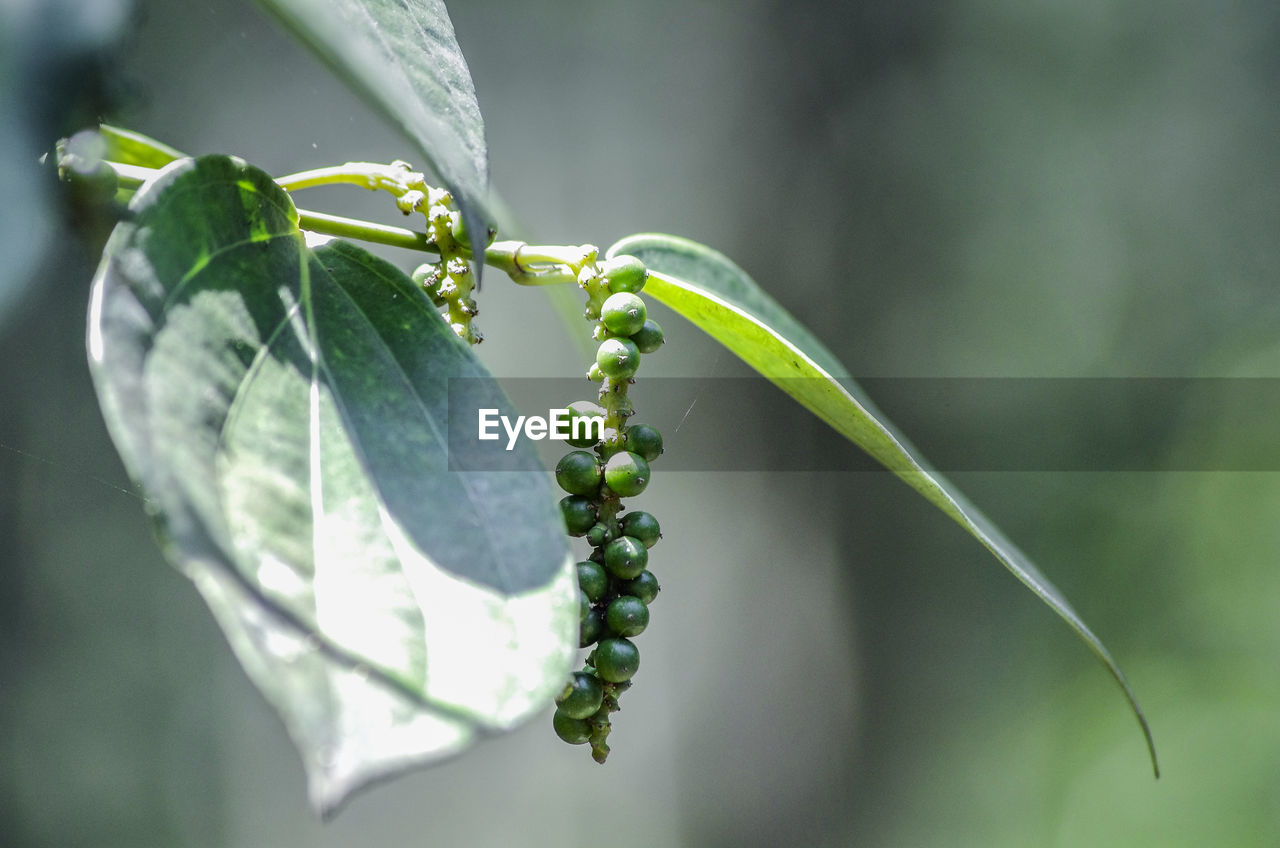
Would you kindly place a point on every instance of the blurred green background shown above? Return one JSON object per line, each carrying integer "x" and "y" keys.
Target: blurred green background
{"x": 980, "y": 188}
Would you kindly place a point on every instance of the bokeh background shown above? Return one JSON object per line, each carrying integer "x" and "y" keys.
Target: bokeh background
{"x": 977, "y": 188}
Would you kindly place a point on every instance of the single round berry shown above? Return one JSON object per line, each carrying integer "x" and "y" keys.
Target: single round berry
{"x": 644, "y": 586}
{"x": 618, "y": 358}
{"x": 623, "y": 313}
{"x": 626, "y": 473}
{"x": 649, "y": 337}
{"x": 623, "y": 273}
{"x": 594, "y": 374}
{"x": 627, "y": 615}
{"x": 584, "y": 431}
{"x": 644, "y": 440}
{"x": 582, "y": 697}
{"x": 579, "y": 514}
{"x": 617, "y": 660}
{"x": 593, "y": 580}
{"x": 578, "y": 472}
{"x": 590, "y": 629}
{"x": 599, "y": 535}
{"x": 625, "y": 557}
{"x": 575, "y": 731}
{"x": 642, "y": 526}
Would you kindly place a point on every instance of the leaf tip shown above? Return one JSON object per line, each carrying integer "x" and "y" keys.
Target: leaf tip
{"x": 1132, "y": 698}
{"x": 1151, "y": 741}
{"x": 328, "y": 792}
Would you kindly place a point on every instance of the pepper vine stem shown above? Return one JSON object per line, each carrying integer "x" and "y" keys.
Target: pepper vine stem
{"x": 396, "y": 178}
{"x": 336, "y": 225}
{"x": 525, "y": 264}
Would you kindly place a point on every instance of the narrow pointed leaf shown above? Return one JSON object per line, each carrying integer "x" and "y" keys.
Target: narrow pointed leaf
{"x": 720, "y": 298}
{"x": 403, "y": 58}
{"x": 133, "y": 148}
{"x": 284, "y": 412}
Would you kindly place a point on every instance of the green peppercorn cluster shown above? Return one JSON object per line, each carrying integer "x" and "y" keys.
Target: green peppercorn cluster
{"x": 615, "y": 583}
{"x": 449, "y": 282}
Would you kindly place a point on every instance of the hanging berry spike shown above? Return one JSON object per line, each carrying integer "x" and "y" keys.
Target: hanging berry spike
{"x": 615, "y": 585}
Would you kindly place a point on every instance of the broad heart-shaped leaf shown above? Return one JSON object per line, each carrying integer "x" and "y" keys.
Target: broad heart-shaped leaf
{"x": 402, "y": 57}
{"x": 284, "y": 412}
{"x": 718, "y": 296}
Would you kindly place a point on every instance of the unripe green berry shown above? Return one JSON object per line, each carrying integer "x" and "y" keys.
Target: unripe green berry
{"x": 594, "y": 374}
{"x": 590, "y": 629}
{"x": 644, "y": 440}
{"x": 581, "y": 697}
{"x": 623, "y": 273}
{"x": 584, "y": 605}
{"x": 617, "y": 660}
{"x": 580, "y": 411}
{"x": 579, "y": 514}
{"x": 642, "y": 526}
{"x": 623, "y": 313}
{"x": 649, "y": 337}
{"x": 626, "y": 473}
{"x": 575, "y": 731}
{"x": 644, "y": 586}
{"x": 578, "y": 472}
{"x": 625, "y": 557}
{"x": 599, "y": 535}
{"x": 593, "y": 579}
{"x": 618, "y": 358}
{"x": 627, "y": 615}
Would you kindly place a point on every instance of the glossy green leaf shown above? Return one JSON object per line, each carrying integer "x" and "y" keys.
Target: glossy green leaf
{"x": 719, "y": 297}
{"x": 402, "y": 57}
{"x": 284, "y": 412}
